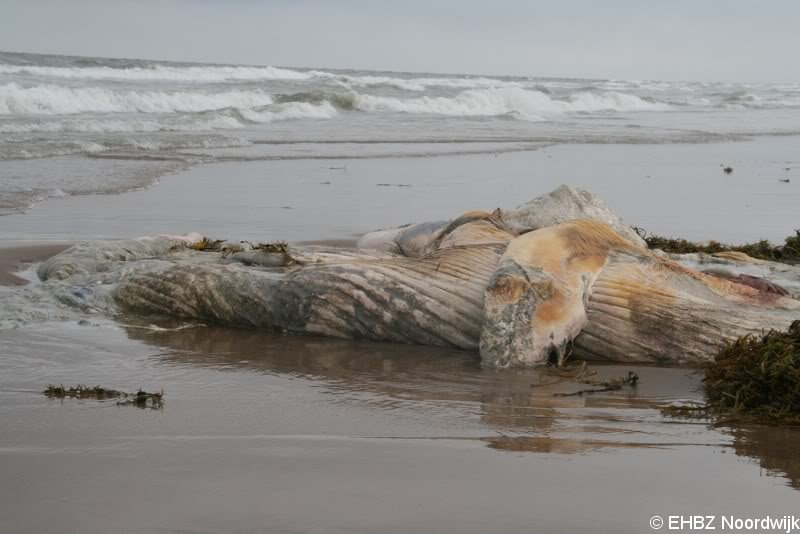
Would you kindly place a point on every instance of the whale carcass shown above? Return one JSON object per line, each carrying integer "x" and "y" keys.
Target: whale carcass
{"x": 557, "y": 276}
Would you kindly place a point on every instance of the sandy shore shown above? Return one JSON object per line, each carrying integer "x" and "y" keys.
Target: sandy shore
{"x": 268, "y": 433}
{"x": 12, "y": 258}
{"x": 265, "y": 433}
{"x": 672, "y": 189}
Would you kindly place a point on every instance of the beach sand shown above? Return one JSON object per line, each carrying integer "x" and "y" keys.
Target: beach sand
{"x": 669, "y": 189}
{"x": 266, "y": 433}
{"x": 12, "y": 258}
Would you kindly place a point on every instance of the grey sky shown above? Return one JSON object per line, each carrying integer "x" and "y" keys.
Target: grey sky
{"x": 732, "y": 40}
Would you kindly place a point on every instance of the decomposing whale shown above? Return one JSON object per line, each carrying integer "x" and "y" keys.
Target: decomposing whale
{"x": 557, "y": 276}
{"x": 581, "y": 287}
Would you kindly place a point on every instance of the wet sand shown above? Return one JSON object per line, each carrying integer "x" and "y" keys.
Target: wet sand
{"x": 266, "y": 433}
{"x": 12, "y": 258}
{"x": 669, "y": 189}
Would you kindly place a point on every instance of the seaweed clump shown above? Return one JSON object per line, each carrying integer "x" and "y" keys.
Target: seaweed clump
{"x": 580, "y": 374}
{"x": 754, "y": 379}
{"x": 273, "y": 247}
{"x": 757, "y": 377}
{"x": 788, "y": 253}
{"x": 208, "y": 245}
{"x": 269, "y": 254}
{"x": 220, "y": 245}
{"x": 612, "y": 384}
{"x": 140, "y": 399}
{"x": 81, "y": 392}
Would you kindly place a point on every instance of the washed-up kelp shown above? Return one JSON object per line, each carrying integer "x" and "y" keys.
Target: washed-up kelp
{"x": 207, "y": 244}
{"x": 140, "y": 399}
{"x": 613, "y": 384}
{"x": 788, "y": 253}
{"x": 755, "y": 378}
{"x": 579, "y": 373}
{"x": 274, "y": 247}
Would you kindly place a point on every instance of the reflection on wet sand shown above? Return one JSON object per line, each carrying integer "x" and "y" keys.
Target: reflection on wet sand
{"x": 563, "y": 446}
{"x": 776, "y": 450}
{"x": 516, "y": 412}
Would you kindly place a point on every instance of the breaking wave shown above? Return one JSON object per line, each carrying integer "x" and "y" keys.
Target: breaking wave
{"x": 747, "y": 99}
{"x": 160, "y": 73}
{"x": 58, "y": 100}
{"x": 525, "y": 104}
{"x": 212, "y": 74}
{"x": 221, "y": 73}
{"x": 290, "y": 110}
{"x": 512, "y": 101}
{"x": 233, "y": 109}
{"x": 416, "y": 84}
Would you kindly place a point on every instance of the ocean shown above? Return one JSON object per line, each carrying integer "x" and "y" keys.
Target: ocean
{"x": 83, "y": 125}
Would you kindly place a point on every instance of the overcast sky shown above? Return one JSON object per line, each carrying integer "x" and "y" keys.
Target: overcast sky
{"x": 730, "y": 40}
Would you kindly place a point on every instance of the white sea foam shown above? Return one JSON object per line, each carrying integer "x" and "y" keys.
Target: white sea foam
{"x": 697, "y": 101}
{"x": 526, "y": 104}
{"x": 198, "y": 111}
{"x": 290, "y": 110}
{"x": 54, "y": 148}
{"x": 160, "y": 72}
{"x": 59, "y": 100}
{"x": 416, "y": 84}
{"x": 224, "y": 119}
{"x": 210, "y": 74}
